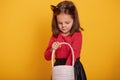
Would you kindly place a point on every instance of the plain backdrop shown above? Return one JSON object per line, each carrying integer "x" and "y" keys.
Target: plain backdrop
{"x": 25, "y": 29}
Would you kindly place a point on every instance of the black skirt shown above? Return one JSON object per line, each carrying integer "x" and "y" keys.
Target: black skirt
{"x": 78, "y": 68}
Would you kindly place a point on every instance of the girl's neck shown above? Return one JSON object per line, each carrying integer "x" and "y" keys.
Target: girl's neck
{"x": 63, "y": 34}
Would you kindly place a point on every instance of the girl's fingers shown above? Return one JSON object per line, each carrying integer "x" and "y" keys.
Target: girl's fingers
{"x": 56, "y": 45}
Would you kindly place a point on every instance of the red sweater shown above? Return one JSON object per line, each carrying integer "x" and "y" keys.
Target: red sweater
{"x": 64, "y": 51}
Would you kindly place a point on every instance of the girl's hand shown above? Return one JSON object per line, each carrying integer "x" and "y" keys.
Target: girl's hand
{"x": 56, "y": 45}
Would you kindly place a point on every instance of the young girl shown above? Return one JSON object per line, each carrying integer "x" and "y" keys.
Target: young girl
{"x": 66, "y": 28}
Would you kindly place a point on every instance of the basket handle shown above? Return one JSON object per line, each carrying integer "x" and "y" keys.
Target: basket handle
{"x": 53, "y": 52}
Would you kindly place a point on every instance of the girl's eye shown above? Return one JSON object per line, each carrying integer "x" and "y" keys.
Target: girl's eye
{"x": 62, "y": 23}
{"x": 67, "y": 22}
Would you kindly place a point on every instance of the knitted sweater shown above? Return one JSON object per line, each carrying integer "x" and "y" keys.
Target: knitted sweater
{"x": 64, "y": 51}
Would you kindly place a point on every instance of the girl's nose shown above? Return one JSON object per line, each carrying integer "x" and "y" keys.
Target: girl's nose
{"x": 63, "y": 25}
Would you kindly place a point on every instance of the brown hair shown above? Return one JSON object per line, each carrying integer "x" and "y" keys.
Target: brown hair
{"x": 66, "y": 7}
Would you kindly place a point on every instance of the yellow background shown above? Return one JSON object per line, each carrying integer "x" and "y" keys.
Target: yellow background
{"x": 25, "y": 29}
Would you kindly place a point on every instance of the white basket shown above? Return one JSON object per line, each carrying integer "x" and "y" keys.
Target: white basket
{"x": 63, "y": 72}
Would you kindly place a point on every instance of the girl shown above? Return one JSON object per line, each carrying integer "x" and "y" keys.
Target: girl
{"x": 66, "y": 28}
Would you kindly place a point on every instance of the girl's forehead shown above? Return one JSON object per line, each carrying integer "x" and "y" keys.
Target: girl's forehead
{"x": 64, "y": 15}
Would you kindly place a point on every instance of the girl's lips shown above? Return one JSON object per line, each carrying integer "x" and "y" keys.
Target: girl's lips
{"x": 63, "y": 29}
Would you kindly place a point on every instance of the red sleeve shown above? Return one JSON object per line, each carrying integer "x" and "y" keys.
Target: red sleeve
{"x": 48, "y": 51}
{"x": 76, "y": 45}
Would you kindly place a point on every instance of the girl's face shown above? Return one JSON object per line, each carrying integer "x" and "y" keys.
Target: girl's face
{"x": 65, "y": 22}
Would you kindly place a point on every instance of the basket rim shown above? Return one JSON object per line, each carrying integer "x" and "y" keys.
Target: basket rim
{"x": 53, "y": 52}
